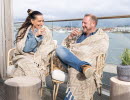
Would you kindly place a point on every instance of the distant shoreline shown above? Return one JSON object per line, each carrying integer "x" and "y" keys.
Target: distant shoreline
{"x": 120, "y": 32}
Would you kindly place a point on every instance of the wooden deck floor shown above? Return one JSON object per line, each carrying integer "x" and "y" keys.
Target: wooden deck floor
{"x": 2, "y": 92}
{"x": 48, "y": 92}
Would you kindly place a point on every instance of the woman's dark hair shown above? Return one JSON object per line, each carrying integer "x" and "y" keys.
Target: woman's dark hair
{"x": 31, "y": 15}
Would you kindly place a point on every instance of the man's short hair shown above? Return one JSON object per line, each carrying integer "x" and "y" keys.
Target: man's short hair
{"x": 93, "y": 17}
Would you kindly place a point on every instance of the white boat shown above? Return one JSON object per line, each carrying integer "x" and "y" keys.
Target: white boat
{"x": 61, "y": 31}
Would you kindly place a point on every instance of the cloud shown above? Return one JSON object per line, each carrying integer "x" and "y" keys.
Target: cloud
{"x": 61, "y": 9}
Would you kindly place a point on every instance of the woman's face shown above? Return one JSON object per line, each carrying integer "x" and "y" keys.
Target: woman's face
{"x": 38, "y": 21}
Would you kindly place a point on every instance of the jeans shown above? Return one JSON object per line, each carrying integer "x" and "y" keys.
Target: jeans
{"x": 69, "y": 59}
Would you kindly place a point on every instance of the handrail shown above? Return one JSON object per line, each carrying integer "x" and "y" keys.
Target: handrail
{"x": 105, "y": 17}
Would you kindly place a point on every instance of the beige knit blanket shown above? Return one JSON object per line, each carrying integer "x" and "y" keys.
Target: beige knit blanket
{"x": 87, "y": 50}
{"x": 34, "y": 64}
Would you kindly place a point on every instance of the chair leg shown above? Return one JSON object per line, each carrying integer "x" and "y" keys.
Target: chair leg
{"x": 57, "y": 88}
{"x": 54, "y": 90}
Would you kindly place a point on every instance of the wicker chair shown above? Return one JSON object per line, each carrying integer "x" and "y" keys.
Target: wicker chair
{"x": 10, "y": 56}
{"x": 56, "y": 79}
{"x": 100, "y": 61}
{"x": 100, "y": 64}
{"x": 10, "y": 66}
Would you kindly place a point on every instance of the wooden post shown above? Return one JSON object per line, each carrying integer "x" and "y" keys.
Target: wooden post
{"x": 120, "y": 90}
{"x": 23, "y": 88}
{"x": 6, "y": 33}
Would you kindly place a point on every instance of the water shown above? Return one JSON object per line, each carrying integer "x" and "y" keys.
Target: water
{"x": 118, "y": 42}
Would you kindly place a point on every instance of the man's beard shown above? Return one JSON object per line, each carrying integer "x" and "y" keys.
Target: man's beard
{"x": 85, "y": 30}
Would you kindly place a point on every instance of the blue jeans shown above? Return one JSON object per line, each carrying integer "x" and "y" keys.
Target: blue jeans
{"x": 68, "y": 58}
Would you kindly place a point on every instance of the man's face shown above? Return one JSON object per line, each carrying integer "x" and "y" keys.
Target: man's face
{"x": 87, "y": 24}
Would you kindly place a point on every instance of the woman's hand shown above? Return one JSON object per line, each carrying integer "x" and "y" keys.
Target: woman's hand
{"x": 41, "y": 31}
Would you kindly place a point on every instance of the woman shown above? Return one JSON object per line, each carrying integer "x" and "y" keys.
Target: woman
{"x": 34, "y": 45}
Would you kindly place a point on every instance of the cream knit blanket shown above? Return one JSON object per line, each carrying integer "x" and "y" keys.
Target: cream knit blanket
{"x": 34, "y": 64}
{"x": 87, "y": 50}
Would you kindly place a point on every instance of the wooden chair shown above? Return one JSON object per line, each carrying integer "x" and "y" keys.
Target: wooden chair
{"x": 10, "y": 56}
{"x": 27, "y": 82}
{"x": 57, "y": 80}
{"x": 100, "y": 63}
{"x": 10, "y": 66}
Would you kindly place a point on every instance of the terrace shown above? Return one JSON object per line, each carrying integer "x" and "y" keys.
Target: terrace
{"x": 117, "y": 27}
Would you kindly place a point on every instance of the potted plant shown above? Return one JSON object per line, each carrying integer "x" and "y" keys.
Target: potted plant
{"x": 123, "y": 70}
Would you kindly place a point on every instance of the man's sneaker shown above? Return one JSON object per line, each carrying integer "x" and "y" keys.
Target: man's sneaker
{"x": 88, "y": 70}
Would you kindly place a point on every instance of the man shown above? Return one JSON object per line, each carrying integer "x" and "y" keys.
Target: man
{"x": 79, "y": 51}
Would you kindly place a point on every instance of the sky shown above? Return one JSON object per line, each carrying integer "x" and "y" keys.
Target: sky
{"x": 67, "y": 9}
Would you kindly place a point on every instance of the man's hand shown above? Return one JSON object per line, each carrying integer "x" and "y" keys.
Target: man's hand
{"x": 75, "y": 32}
{"x": 40, "y": 31}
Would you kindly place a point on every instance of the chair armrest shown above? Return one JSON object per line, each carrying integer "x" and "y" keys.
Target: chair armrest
{"x": 8, "y": 55}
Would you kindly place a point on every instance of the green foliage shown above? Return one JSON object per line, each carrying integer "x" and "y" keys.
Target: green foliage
{"x": 125, "y": 57}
